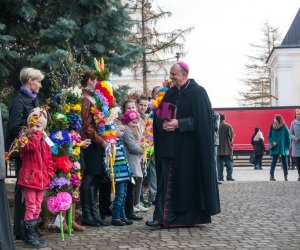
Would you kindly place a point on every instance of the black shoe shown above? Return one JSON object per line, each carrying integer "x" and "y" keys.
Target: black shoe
{"x": 30, "y": 234}
{"x": 221, "y": 179}
{"x": 38, "y": 234}
{"x": 153, "y": 223}
{"x": 272, "y": 178}
{"x": 134, "y": 217}
{"x": 127, "y": 222}
{"x": 96, "y": 216}
{"x": 230, "y": 179}
{"x": 87, "y": 218}
{"x": 103, "y": 223}
{"x": 106, "y": 213}
{"x": 219, "y": 182}
{"x": 118, "y": 223}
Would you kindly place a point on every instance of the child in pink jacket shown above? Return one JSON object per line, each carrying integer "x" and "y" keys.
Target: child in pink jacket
{"x": 35, "y": 174}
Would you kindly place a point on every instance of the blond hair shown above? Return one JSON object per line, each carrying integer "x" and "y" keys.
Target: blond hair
{"x": 30, "y": 73}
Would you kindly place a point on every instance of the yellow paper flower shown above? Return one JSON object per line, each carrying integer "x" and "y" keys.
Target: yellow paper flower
{"x": 76, "y": 108}
{"x": 67, "y": 108}
{"x": 76, "y": 151}
{"x": 75, "y": 195}
{"x": 78, "y": 144}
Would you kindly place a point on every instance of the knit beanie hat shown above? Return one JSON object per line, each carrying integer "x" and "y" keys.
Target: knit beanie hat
{"x": 129, "y": 116}
{"x": 41, "y": 115}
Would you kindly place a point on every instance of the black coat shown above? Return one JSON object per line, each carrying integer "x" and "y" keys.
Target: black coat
{"x": 19, "y": 109}
{"x": 192, "y": 148}
{"x": 258, "y": 146}
{"x": 6, "y": 237}
{"x": 2, "y": 154}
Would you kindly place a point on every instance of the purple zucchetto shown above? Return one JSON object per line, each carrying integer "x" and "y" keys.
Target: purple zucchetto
{"x": 184, "y": 66}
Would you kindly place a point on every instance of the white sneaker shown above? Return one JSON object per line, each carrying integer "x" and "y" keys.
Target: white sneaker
{"x": 142, "y": 209}
{"x": 136, "y": 209}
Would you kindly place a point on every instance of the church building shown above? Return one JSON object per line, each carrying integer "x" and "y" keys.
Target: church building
{"x": 284, "y": 64}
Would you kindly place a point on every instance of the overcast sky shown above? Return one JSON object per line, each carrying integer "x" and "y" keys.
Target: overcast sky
{"x": 220, "y": 42}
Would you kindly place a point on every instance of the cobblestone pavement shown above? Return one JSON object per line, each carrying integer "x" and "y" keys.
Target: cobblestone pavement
{"x": 256, "y": 214}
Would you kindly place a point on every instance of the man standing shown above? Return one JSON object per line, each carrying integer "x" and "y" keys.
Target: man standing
{"x": 187, "y": 190}
{"x": 226, "y": 136}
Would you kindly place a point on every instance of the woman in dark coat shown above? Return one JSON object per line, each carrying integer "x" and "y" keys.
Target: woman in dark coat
{"x": 259, "y": 148}
{"x": 20, "y": 107}
{"x": 6, "y": 236}
{"x": 94, "y": 173}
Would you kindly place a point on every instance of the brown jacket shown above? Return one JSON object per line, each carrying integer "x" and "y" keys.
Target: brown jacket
{"x": 89, "y": 128}
{"x": 226, "y": 136}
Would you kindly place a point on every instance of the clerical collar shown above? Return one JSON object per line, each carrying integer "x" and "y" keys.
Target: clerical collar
{"x": 184, "y": 86}
{"x": 28, "y": 93}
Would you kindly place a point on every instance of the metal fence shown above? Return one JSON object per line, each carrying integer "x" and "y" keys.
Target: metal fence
{"x": 11, "y": 169}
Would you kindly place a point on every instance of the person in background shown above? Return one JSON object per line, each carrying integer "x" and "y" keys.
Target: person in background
{"x": 152, "y": 179}
{"x": 122, "y": 175}
{"x": 19, "y": 109}
{"x": 94, "y": 171}
{"x": 280, "y": 142}
{"x": 295, "y": 136}
{"x": 134, "y": 152}
{"x": 130, "y": 104}
{"x": 142, "y": 106}
{"x": 226, "y": 136}
{"x": 6, "y": 235}
{"x": 216, "y": 123}
{"x": 258, "y": 144}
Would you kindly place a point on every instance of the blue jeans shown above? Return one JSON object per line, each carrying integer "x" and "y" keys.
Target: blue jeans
{"x": 283, "y": 162}
{"x": 227, "y": 160}
{"x": 216, "y": 160}
{"x": 118, "y": 209}
{"x": 152, "y": 180}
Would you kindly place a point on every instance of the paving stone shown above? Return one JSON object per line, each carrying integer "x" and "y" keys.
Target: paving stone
{"x": 256, "y": 214}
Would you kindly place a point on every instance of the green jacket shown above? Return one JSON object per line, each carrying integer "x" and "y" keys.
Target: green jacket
{"x": 283, "y": 139}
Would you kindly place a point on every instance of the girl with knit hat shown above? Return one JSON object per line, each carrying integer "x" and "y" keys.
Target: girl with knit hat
{"x": 134, "y": 152}
{"x": 35, "y": 173}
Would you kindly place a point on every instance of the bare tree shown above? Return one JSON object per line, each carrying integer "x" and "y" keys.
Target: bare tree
{"x": 257, "y": 80}
{"x": 156, "y": 46}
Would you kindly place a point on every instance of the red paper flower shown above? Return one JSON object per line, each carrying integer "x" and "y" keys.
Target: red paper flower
{"x": 63, "y": 163}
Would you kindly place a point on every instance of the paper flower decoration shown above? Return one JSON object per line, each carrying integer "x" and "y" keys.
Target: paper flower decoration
{"x": 60, "y": 202}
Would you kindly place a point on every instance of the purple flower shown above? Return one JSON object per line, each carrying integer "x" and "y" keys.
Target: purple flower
{"x": 75, "y": 121}
{"x": 61, "y": 181}
{"x": 75, "y": 180}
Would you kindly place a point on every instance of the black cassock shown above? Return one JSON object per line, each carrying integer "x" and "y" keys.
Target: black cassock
{"x": 187, "y": 185}
{"x": 6, "y": 236}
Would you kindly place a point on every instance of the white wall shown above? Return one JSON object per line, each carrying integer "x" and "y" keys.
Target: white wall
{"x": 284, "y": 64}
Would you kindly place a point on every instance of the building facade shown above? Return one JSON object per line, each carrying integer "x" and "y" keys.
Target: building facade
{"x": 284, "y": 64}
